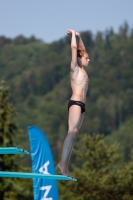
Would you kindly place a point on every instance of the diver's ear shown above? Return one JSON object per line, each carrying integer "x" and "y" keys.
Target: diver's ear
{"x": 79, "y": 59}
{"x": 79, "y": 62}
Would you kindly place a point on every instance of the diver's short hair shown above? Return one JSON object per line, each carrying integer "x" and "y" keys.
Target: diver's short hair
{"x": 80, "y": 53}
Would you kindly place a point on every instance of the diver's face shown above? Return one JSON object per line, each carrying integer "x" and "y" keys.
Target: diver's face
{"x": 85, "y": 60}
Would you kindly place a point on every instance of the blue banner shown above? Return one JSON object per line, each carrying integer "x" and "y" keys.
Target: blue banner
{"x": 42, "y": 162}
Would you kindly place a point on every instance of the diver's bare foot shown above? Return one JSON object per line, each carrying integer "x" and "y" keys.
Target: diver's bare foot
{"x": 63, "y": 171}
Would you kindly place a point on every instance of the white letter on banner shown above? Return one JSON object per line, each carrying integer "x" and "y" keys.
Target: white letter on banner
{"x": 44, "y": 168}
{"x": 47, "y": 188}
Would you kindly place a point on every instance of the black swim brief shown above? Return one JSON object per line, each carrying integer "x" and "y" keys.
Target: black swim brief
{"x": 78, "y": 103}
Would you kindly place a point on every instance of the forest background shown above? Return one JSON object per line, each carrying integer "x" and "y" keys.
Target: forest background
{"x": 37, "y": 74}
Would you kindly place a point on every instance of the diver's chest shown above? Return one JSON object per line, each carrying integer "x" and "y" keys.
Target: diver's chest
{"x": 83, "y": 76}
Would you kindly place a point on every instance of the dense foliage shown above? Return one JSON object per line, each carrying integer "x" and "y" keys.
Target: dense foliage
{"x": 9, "y": 188}
{"x": 97, "y": 175}
{"x": 38, "y": 77}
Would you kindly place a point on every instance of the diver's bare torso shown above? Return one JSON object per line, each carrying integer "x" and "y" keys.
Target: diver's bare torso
{"x": 79, "y": 83}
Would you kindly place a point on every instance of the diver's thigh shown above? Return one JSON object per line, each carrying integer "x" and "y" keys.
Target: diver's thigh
{"x": 81, "y": 119}
{"x": 74, "y": 116}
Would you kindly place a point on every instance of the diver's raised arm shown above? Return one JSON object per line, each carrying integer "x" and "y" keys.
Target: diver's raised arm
{"x": 73, "y": 48}
{"x": 80, "y": 42}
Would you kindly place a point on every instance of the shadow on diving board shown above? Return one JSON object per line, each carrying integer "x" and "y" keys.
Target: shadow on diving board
{"x": 35, "y": 175}
{"x": 12, "y": 150}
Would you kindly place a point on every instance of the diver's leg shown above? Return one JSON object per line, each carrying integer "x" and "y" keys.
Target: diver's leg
{"x": 74, "y": 121}
{"x": 80, "y": 124}
{"x": 81, "y": 119}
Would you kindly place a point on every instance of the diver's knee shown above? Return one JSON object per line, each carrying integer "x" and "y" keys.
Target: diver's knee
{"x": 73, "y": 131}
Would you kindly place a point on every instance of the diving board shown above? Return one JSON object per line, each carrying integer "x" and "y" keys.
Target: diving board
{"x": 35, "y": 175}
{"x": 12, "y": 150}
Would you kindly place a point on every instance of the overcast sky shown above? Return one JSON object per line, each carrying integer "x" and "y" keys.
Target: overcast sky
{"x": 49, "y": 19}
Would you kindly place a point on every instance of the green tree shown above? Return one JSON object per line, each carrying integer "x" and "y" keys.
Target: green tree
{"x": 7, "y": 131}
{"x": 98, "y": 177}
{"x": 38, "y": 75}
{"x": 9, "y": 188}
